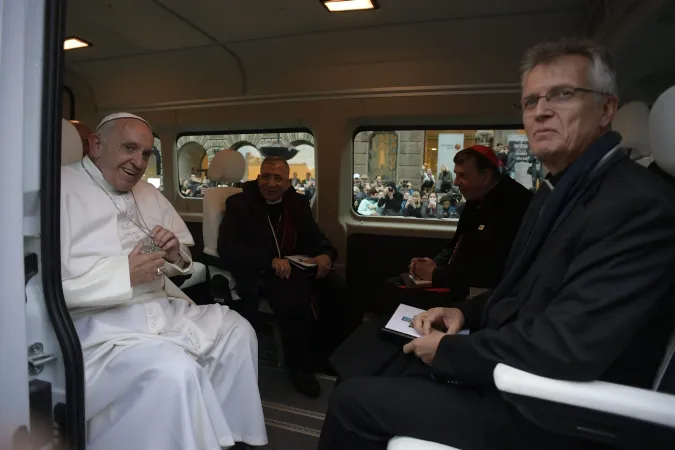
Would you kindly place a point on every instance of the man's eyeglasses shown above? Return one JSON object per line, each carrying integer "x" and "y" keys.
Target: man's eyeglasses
{"x": 555, "y": 97}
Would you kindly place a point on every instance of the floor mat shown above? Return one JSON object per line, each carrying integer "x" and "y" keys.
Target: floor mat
{"x": 293, "y": 421}
{"x": 283, "y": 439}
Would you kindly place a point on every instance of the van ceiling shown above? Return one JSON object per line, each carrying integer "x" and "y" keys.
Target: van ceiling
{"x": 150, "y": 52}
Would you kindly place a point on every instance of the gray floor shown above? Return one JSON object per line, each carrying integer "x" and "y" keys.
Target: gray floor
{"x": 293, "y": 420}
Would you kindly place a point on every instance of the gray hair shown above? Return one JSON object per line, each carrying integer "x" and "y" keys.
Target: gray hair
{"x": 601, "y": 73}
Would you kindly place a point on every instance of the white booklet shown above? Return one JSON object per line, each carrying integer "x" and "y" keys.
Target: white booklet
{"x": 300, "y": 261}
{"x": 401, "y": 322}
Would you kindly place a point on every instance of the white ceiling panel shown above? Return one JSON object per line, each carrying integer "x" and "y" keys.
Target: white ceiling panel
{"x": 149, "y": 51}
{"x": 235, "y": 20}
{"x": 126, "y": 27}
{"x": 181, "y": 75}
{"x": 463, "y": 41}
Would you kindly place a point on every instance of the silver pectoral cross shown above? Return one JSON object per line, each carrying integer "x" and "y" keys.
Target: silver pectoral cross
{"x": 149, "y": 247}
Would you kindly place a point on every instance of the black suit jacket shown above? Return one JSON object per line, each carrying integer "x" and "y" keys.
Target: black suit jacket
{"x": 489, "y": 228}
{"x": 596, "y": 304}
{"x": 245, "y": 241}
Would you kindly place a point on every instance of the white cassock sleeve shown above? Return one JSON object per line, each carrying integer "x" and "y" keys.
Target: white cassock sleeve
{"x": 90, "y": 278}
{"x": 183, "y": 266}
{"x": 107, "y": 283}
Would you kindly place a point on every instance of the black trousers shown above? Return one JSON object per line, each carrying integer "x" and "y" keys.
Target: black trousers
{"x": 314, "y": 314}
{"x": 393, "y": 294}
{"x": 370, "y": 352}
{"x": 365, "y": 412}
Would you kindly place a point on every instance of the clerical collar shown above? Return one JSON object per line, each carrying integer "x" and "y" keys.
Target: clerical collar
{"x": 96, "y": 174}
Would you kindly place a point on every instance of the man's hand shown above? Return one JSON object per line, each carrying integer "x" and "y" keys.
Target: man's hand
{"x": 282, "y": 268}
{"x": 451, "y": 318}
{"x": 411, "y": 266}
{"x": 425, "y": 347}
{"x": 424, "y": 269}
{"x": 145, "y": 268}
{"x": 324, "y": 265}
{"x": 167, "y": 241}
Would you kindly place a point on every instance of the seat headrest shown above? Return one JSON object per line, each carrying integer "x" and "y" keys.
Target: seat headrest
{"x": 632, "y": 122}
{"x": 228, "y": 166}
{"x": 662, "y": 131}
{"x": 71, "y": 143}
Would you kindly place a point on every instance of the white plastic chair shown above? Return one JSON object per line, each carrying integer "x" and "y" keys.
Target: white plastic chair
{"x": 228, "y": 166}
{"x": 632, "y": 122}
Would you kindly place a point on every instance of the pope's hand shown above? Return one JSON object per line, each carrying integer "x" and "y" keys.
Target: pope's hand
{"x": 167, "y": 241}
{"x": 145, "y": 268}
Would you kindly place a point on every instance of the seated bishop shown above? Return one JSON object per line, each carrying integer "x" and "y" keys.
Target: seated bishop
{"x": 161, "y": 372}
{"x": 263, "y": 228}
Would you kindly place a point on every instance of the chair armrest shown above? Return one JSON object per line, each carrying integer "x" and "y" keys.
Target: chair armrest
{"x": 634, "y": 403}
{"x": 406, "y": 443}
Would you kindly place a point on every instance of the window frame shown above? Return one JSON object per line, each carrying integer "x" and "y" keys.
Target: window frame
{"x": 158, "y": 156}
{"x": 159, "y": 162}
{"x": 266, "y": 130}
{"x": 417, "y": 127}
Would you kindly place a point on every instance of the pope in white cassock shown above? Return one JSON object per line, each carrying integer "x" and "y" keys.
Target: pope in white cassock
{"x": 161, "y": 372}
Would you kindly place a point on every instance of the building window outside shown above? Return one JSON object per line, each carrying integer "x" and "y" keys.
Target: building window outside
{"x": 416, "y": 168}
{"x": 195, "y": 152}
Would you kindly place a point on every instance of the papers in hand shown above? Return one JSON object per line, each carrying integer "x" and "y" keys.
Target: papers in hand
{"x": 413, "y": 282}
{"x": 301, "y": 261}
{"x": 401, "y": 322}
{"x": 419, "y": 282}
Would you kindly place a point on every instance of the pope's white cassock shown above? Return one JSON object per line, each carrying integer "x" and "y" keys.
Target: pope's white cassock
{"x": 161, "y": 372}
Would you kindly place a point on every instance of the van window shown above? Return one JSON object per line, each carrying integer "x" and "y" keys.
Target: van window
{"x": 153, "y": 173}
{"x": 415, "y": 167}
{"x": 195, "y": 152}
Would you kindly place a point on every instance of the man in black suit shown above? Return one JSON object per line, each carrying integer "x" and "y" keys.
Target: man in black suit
{"x": 262, "y": 226}
{"x": 587, "y": 294}
{"x": 476, "y": 255}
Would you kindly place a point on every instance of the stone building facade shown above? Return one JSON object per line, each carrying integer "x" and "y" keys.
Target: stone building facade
{"x": 406, "y": 147}
{"x": 214, "y": 143}
{"x": 195, "y": 152}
